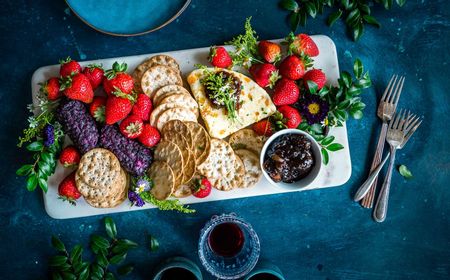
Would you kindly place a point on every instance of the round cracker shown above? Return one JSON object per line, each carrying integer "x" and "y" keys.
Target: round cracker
{"x": 252, "y": 167}
{"x": 162, "y": 59}
{"x": 181, "y": 191}
{"x": 188, "y": 158}
{"x": 180, "y": 127}
{"x": 171, "y": 154}
{"x": 247, "y": 139}
{"x": 163, "y": 179}
{"x": 154, "y": 115}
{"x": 103, "y": 194}
{"x": 220, "y": 162}
{"x": 114, "y": 200}
{"x": 165, "y": 91}
{"x": 233, "y": 179}
{"x": 183, "y": 100}
{"x": 201, "y": 144}
{"x": 158, "y": 76}
{"x": 179, "y": 113}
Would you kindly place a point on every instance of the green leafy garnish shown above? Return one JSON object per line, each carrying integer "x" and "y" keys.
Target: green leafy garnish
{"x": 404, "y": 171}
{"x": 356, "y": 13}
{"x": 107, "y": 252}
{"x": 168, "y": 204}
{"x": 154, "y": 244}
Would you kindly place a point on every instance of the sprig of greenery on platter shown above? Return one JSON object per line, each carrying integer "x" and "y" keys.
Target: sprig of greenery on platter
{"x": 356, "y": 13}
{"x": 107, "y": 253}
{"x": 44, "y": 151}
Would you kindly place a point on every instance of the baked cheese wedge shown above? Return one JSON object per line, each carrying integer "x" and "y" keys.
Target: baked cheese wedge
{"x": 255, "y": 104}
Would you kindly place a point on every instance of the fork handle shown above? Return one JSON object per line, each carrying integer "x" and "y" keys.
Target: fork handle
{"x": 379, "y": 214}
{"x": 367, "y": 201}
{"x": 362, "y": 191}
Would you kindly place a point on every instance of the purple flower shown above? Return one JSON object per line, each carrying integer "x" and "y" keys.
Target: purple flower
{"x": 135, "y": 199}
{"x": 314, "y": 109}
{"x": 49, "y": 135}
{"x": 142, "y": 185}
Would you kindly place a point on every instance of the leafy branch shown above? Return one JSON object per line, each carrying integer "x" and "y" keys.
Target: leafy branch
{"x": 356, "y": 13}
{"x": 168, "y": 204}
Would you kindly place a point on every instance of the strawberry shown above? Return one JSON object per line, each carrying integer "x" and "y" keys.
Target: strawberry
{"x": 291, "y": 116}
{"x": 51, "y": 89}
{"x": 286, "y": 92}
{"x": 143, "y": 107}
{"x": 117, "y": 108}
{"x": 131, "y": 127}
{"x": 219, "y": 57}
{"x": 67, "y": 189}
{"x": 69, "y": 156}
{"x": 97, "y": 108}
{"x": 263, "y": 127}
{"x": 69, "y": 67}
{"x": 150, "y": 136}
{"x": 77, "y": 87}
{"x": 202, "y": 188}
{"x": 292, "y": 67}
{"x": 270, "y": 51}
{"x": 302, "y": 45}
{"x": 264, "y": 74}
{"x": 316, "y": 76}
{"x": 117, "y": 79}
{"x": 94, "y": 72}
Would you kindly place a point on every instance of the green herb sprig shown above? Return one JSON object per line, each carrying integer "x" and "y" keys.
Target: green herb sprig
{"x": 356, "y": 13}
{"x": 167, "y": 205}
{"x": 107, "y": 252}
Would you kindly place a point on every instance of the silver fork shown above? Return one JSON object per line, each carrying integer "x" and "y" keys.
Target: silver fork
{"x": 401, "y": 128}
{"x": 386, "y": 110}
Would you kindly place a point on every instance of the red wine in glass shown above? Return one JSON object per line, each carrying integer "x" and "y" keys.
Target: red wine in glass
{"x": 177, "y": 273}
{"x": 226, "y": 239}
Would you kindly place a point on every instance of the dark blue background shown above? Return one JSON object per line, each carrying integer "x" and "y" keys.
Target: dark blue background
{"x": 310, "y": 235}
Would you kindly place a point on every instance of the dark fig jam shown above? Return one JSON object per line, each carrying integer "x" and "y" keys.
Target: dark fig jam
{"x": 231, "y": 85}
{"x": 289, "y": 158}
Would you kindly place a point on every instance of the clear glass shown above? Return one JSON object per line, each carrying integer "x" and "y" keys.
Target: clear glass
{"x": 229, "y": 267}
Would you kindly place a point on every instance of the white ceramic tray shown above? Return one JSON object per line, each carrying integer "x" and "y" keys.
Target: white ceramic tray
{"x": 336, "y": 173}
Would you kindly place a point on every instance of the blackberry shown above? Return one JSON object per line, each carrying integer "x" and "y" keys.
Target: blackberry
{"x": 78, "y": 124}
{"x": 134, "y": 157}
{"x": 49, "y": 135}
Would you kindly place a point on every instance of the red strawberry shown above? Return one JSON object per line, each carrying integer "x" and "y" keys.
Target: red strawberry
{"x": 263, "y": 127}
{"x": 97, "y": 108}
{"x": 68, "y": 189}
{"x": 302, "y": 45}
{"x": 316, "y": 76}
{"x": 291, "y": 116}
{"x": 117, "y": 79}
{"x": 117, "y": 108}
{"x": 286, "y": 92}
{"x": 264, "y": 74}
{"x": 77, "y": 87}
{"x": 150, "y": 136}
{"x": 69, "y": 67}
{"x": 94, "y": 72}
{"x": 292, "y": 67}
{"x": 131, "y": 127}
{"x": 69, "y": 156}
{"x": 202, "y": 188}
{"x": 143, "y": 107}
{"x": 51, "y": 89}
{"x": 270, "y": 51}
{"x": 219, "y": 57}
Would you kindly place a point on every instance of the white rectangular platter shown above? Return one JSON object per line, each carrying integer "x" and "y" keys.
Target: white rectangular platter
{"x": 336, "y": 173}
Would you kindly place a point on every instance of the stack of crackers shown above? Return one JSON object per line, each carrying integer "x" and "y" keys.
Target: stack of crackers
{"x": 101, "y": 180}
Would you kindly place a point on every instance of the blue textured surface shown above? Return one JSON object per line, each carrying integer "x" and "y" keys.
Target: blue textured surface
{"x": 309, "y": 235}
{"x": 126, "y": 17}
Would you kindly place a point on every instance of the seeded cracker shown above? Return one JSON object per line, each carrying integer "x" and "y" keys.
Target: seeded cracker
{"x": 181, "y": 114}
{"x": 165, "y": 91}
{"x": 247, "y": 139}
{"x": 252, "y": 168}
{"x": 158, "y": 76}
{"x": 220, "y": 162}
{"x": 180, "y": 127}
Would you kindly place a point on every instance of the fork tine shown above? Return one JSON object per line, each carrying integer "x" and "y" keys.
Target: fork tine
{"x": 409, "y": 134}
{"x": 412, "y": 124}
{"x": 394, "y": 93}
{"x": 397, "y": 119}
{"x": 388, "y": 88}
{"x": 399, "y": 91}
{"x": 404, "y": 122}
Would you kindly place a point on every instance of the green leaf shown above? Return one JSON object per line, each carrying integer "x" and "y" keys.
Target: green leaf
{"x": 43, "y": 184}
{"x": 327, "y": 140}
{"x": 44, "y": 168}
{"x": 387, "y": 4}
{"x": 24, "y": 170}
{"x": 75, "y": 254}
{"x": 32, "y": 182}
{"x": 358, "y": 106}
{"x": 353, "y": 17}
{"x": 97, "y": 271}
{"x": 125, "y": 269}
{"x": 102, "y": 260}
{"x": 358, "y": 68}
{"x": 100, "y": 241}
{"x": 68, "y": 276}
{"x": 358, "y": 31}
{"x": 124, "y": 245}
{"x": 56, "y": 276}
{"x": 35, "y": 146}
{"x": 84, "y": 274}
{"x": 346, "y": 78}
{"x": 110, "y": 227}
{"x": 56, "y": 261}
{"x": 364, "y": 8}
{"x": 371, "y": 20}
{"x": 356, "y": 114}
{"x": 324, "y": 91}
{"x": 290, "y": 5}
{"x": 325, "y": 156}
{"x": 58, "y": 244}
{"x": 294, "y": 20}
{"x": 404, "y": 171}
{"x": 154, "y": 244}
{"x": 312, "y": 87}
{"x": 335, "y": 147}
{"x": 311, "y": 9}
{"x": 344, "y": 104}
{"x": 346, "y": 4}
{"x": 334, "y": 17}
{"x": 109, "y": 276}
{"x": 116, "y": 259}
{"x": 354, "y": 90}
{"x": 400, "y": 2}
{"x": 365, "y": 82}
